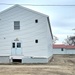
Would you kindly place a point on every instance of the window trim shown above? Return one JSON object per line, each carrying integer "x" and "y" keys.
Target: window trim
{"x": 16, "y": 25}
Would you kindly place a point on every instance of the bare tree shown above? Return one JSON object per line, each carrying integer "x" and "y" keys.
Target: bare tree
{"x": 54, "y": 39}
{"x": 70, "y": 40}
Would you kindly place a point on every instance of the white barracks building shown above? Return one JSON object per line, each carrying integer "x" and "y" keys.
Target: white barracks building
{"x": 25, "y": 36}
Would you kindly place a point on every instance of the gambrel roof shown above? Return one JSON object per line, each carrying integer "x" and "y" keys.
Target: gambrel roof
{"x": 16, "y": 5}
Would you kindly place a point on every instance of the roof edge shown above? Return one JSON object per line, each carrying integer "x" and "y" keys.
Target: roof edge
{"x": 23, "y": 8}
{"x": 50, "y": 26}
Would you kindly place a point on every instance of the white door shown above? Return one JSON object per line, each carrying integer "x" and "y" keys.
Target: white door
{"x": 16, "y": 48}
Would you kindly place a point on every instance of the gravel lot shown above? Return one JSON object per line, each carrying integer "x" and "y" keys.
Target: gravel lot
{"x": 60, "y": 65}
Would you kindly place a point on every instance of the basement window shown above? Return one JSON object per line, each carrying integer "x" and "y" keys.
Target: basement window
{"x": 61, "y": 49}
{"x": 16, "y": 25}
{"x": 36, "y": 21}
{"x": 17, "y": 60}
{"x": 36, "y": 41}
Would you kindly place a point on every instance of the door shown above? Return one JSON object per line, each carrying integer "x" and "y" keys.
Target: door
{"x": 16, "y": 48}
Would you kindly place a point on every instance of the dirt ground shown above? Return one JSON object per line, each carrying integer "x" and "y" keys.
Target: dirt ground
{"x": 59, "y": 65}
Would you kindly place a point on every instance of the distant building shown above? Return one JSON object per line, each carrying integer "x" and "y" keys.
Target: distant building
{"x": 63, "y": 49}
{"x": 25, "y": 36}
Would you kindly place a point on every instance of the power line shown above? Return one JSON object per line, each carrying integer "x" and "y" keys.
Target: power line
{"x": 40, "y": 4}
{"x": 45, "y": 5}
{"x": 6, "y": 4}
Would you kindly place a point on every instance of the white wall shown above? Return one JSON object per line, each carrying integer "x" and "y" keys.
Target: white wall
{"x": 27, "y": 34}
{"x": 59, "y": 51}
{"x": 70, "y": 51}
{"x": 65, "y": 51}
{"x": 49, "y": 38}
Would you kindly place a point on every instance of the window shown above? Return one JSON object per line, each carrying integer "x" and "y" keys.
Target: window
{"x": 16, "y": 25}
{"x": 36, "y": 21}
{"x": 16, "y": 60}
{"x": 18, "y": 45}
{"x": 36, "y": 41}
{"x": 61, "y": 49}
{"x": 13, "y": 45}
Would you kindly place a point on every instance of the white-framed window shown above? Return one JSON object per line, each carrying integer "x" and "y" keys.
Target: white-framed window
{"x": 18, "y": 45}
{"x": 13, "y": 45}
{"x": 36, "y": 41}
{"x": 16, "y": 25}
{"x": 36, "y": 20}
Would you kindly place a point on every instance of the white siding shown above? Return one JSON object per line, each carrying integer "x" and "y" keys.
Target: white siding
{"x": 70, "y": 51}
{"x": 28, "y": 33}
{"x": 59, "y": 51}
{"x": 65, "y": 51}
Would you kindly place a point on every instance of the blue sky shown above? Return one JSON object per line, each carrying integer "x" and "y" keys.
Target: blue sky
{"x": 62, "y": 18}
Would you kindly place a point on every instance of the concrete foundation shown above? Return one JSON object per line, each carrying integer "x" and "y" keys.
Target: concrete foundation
{"x": 4, "y": 59}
